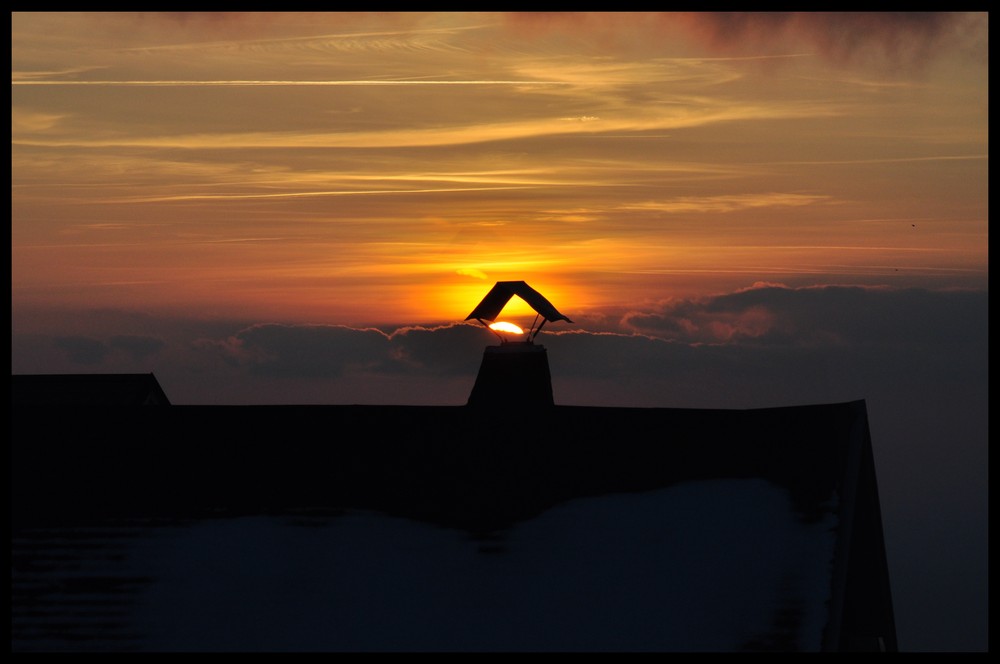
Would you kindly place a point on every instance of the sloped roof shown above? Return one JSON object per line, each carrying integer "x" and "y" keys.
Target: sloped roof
{"x": 500, "y": 295}
{"x": 87, "y": 390}
{"x": 716, "y": 530}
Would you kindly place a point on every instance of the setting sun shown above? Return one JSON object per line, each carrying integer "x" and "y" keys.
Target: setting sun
{"x": 502, "y": 326}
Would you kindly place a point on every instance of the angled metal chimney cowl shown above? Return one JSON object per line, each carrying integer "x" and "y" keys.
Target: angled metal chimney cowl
{"x": 515, "y": 373}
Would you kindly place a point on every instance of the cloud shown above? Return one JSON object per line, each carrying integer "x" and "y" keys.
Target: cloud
{"x": 727, "y": 202}
{"x": 751, "y": 344}
{"x": 138, "y": 347}
{"x": 895, "y": 39}
{"x": 23, "y": 120}
{"x": 471, "y": 272}
{"x": 247, "y": 24}
{"x": 853, "y": 316}
{"x": 444, "y": 350}
{"x": 82, "y": 350}
{"x": 899, "y": 38}
{"x": 332, "y": 351}
{"x": 305, "y": 351}
{"x": 447, "y": 135}
{"x": 108, "y": 354}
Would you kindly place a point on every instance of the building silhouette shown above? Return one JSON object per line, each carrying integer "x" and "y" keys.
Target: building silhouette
{"x": 591, "y": 528}
{"x": 86, "y": 390}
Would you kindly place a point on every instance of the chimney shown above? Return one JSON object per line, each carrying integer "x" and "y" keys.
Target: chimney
{"x": 515, "y": 372}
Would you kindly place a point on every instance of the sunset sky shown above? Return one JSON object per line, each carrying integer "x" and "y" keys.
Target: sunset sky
{"x": 735, "y": 210}
{"x": 373, "y": 169}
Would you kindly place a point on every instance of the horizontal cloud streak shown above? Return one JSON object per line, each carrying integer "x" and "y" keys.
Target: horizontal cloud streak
{"x": 454, "y": 135}
{"x": 728, "y": 202}
{"x": 25, "y": 78}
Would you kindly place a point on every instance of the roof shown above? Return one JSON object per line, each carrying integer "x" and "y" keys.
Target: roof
{"x": 709, "y": 530}
{"x": 500, "y": 295}
{"x": 87, "y": 390}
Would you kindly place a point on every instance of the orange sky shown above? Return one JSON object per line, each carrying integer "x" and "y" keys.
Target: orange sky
{"x": 364, "y": 169}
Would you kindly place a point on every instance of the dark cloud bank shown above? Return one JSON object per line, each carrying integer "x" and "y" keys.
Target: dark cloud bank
{"x": 897, "y": 40}
{"x": 918, "y": 357}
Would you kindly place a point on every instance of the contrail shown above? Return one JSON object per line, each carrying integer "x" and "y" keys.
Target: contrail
{"x": 281, "y": 83}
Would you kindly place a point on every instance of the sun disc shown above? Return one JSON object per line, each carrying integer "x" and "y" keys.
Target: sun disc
{"x": 502, "y": 326}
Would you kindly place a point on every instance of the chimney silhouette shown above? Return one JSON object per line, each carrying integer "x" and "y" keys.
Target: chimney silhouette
{"x": 515, "y": 373}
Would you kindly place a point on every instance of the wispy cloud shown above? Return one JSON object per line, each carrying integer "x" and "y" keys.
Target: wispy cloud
{"x": 21, "y": 78}
{"x": 297, "y": 194}
{"x": 885, "y": 160}
{"x": 729, "y": 202}
{"x": 471, "y": 272}
{"x": 25, "y": 121}
{"x": 453, "y": 135}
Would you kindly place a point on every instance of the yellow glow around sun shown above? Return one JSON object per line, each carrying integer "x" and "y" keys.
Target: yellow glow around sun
{"x": 501, "y": 326}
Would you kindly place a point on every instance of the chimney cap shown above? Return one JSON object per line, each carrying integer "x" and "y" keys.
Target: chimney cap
{"x": 500, "y": 295}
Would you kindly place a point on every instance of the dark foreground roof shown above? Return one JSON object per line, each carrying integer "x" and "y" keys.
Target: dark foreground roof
{"x": 87, "y": 390}
{"x": 714, "y": 494}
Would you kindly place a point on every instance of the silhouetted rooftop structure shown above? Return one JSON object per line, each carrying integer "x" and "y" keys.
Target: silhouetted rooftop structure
{"x": 584, "y": 528}
{"x": 87, "y": 390}
{"x": 514, "y": 374}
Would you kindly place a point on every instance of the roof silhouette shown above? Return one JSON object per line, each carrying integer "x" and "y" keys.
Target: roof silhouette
{"x": 87, "y": 390}
{"x": 750, "y": 530}
{"x": 500, "y": 295}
